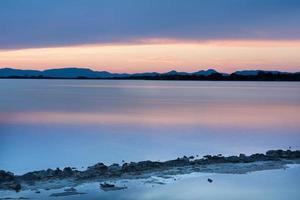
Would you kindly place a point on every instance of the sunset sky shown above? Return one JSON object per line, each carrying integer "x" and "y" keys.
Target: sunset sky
{"x": 150, "y": 35}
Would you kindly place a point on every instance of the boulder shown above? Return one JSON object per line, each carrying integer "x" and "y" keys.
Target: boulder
{"x": 259, "y": 157}
{"x": 15, "y": 186}
{"x": 115, "y": 170}
{"x": 67, "y": 171}
{"x": 98, "y": 167}
{"x": 232, "y": 159}
{"x": 6, "y": 176}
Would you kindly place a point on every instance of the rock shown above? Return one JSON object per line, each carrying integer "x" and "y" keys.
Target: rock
{"x": 295, "y": 154}
{"x": 259, "y": 157}
{"x": 232, "y": 159}
{"x": 207, "y": 156}
{"x": 140, "y": 166}
{"x": 67, "y": 171}
{"x": 15, "y": 186}
{"x": 34, "y": 176}
{"x": 242, "y": 156}
{"x": 98, "y": 167}
{"x": 154, "y": 181}
{"x": 6, "y": 176}
{"x": 273, "y": 153}
{"x": 106, "y": 185}
{"x": 57, "y": 172}
{"x": 114, "y": 167}
{"x": 115, "y": 170}
{"x": 177, "y": 162}
{"x": 70, "y": 189}
{"x": 62, "y": 194}
{"x": 111, "y": 187}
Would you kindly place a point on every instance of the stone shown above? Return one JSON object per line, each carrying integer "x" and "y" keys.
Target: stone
{"x": 15, "y": 186}
{"x": 6, "y": 176}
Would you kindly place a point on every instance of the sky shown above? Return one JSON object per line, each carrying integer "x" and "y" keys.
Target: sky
{"x": 150, "y": 35}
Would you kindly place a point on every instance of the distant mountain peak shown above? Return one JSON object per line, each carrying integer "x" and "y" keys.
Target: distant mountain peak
{"x": 174, "y": 72}
{"x": 256, "y": 72}
{"x": 81, "y": 72}
{"x": 207, "y": 72}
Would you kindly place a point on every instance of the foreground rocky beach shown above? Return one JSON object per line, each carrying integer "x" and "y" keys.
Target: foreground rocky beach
{"x": 70, "y": 177}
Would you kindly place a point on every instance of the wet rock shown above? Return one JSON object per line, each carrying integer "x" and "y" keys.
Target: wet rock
{"x": 242, "y": 156}
{"x": 232, "y": 159}
{"x": 207, "y": 157}
{"x": 14, "y": 186}
{"x": 246, "y": 159}
{"x": 98, "y": 167}
{"x": 40, "y": 175}
{"x": 70, "y": 189}
{"x": 273, "y": 153}
{"x": 67, "y": 172}
{"x": 115, "y": 170}
{"x": 177, "y": 162}
{"x": 106, "y": 185}
{"x": 58, "y": 172}
{"x": 140, "y": 166}
{"x": 30, "y": 176}
{"x": 9, "y": 181}
{"x": 63, "y": 194}
{"x": 155, "y": 181}
{"x": 295, "y": 154}
{"x": 6, "y": 176}
{"x": 114, "y": 167}
{"x": 259, "y": 157}
{"x": 288, "y": 154}
{"x": 111, "y": 187}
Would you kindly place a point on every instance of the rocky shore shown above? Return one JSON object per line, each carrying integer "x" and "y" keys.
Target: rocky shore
{"x": 68, "y": 176}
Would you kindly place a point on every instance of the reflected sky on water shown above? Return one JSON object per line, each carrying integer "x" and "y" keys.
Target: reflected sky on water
{"x": 57, "y": 123}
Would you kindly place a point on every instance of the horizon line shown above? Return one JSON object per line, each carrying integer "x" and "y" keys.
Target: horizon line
{"x": 200, "y": 69}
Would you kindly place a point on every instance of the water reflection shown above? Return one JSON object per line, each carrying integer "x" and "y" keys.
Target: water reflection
{"x": 80, "y": 122}
{"x": 211, "y": 116}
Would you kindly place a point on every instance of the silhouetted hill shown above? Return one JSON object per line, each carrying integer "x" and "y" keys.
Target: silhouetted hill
{"x": 58, "y": 73}
{"x": 210, "y": 74}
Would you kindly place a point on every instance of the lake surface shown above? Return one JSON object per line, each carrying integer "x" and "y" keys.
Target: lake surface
{"x": 57, "y": 123}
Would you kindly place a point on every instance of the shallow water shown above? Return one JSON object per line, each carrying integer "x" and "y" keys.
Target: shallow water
{"x": 264, "y": 185}
{"x": 57, "y": 123}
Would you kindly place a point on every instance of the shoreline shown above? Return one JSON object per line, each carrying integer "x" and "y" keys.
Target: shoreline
{"x": 70, "y": 177}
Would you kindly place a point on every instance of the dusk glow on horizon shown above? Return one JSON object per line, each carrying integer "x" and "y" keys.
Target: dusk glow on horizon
{"x": 139, "y": 36}
{"x": 223, "y": 56}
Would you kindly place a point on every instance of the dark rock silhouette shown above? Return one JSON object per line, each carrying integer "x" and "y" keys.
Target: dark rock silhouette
{"x": 10, "y": 181}
{"x": 208, "y": 75}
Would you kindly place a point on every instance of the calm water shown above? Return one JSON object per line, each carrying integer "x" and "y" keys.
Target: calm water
{"x": 57, "y": 123}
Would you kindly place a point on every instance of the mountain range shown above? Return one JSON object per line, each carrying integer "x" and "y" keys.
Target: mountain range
{"x": 86, "y": 73}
